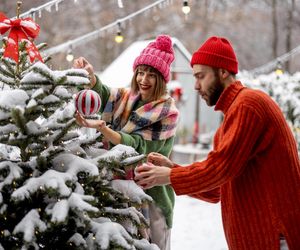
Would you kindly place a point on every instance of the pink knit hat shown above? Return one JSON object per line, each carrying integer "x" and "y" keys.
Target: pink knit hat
{"x": 158, "y": 54}
{"x": 216, "y": 52}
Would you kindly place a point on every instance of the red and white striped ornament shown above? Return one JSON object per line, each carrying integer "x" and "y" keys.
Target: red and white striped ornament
{"x": 87, "y": 102}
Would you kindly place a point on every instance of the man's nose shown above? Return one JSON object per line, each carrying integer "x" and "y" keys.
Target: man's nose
{"x": 197, "y": 85}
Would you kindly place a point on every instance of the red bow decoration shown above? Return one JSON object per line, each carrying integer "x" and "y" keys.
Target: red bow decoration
{"x": 20, "y": 30}
{"x": 177, "y": 93}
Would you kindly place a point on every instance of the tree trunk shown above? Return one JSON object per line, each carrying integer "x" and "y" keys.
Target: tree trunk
{"x": 289, "y": 30}
{"x": 274, "y": 28}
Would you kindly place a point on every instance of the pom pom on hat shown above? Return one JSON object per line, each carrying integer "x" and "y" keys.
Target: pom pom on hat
{"x": 159, "y": 55}
{"x": 164, "y": 43}
{"x": 216, "y": 52}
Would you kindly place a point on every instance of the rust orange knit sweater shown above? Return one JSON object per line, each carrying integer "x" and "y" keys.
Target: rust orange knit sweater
{"x": 253, "y": 169}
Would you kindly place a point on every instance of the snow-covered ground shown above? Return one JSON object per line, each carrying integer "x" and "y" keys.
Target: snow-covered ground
{"x": 197, "y": 225}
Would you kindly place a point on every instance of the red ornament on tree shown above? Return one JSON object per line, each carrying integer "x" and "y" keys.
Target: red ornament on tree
{"x": 87, "y": 102}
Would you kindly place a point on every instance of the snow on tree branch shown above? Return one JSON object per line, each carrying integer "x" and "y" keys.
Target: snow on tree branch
{"x": 50, "y": 179}
{"x": 145, "y": 245}
{"x": 10, "y": 99}
{"x": 111, "y": 232}
{"x": 131, "y": 190}
{"x": 28, "y": 224}
{"x": 78, "y": 240}
{"x": 76, "y": 202}
{"x": 73, "y": 164}
{"x": 15, "y": 172}
{"x": 40, "y": 74}
{"x": 131, "y": 212}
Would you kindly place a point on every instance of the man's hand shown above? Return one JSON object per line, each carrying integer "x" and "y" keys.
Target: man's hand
{"x": 148, "y": 175}
{"x": 82, "y": 63}
{"x": 159, "y": 160}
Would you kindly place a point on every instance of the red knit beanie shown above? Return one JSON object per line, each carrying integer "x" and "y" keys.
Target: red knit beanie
{"x": 216, "y": 52}
{"x": 158, "y": 54}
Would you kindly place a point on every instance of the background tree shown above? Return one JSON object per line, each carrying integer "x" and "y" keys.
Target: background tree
{"x": 289, "y": 29}
{"x": 274, "y": 28}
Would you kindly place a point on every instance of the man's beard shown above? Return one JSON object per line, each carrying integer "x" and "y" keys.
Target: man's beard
{"x": 215, "y": 91}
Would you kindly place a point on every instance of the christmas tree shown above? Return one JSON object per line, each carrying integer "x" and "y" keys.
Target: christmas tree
{"x": 59, "y": 188}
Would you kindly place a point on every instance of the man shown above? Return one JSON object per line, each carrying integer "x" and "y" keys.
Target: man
{"x": 254, "y": 167}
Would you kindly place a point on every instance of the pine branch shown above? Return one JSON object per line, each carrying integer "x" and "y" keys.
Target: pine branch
{"x": 19, "y": 119}
{"x": 58, "y": 138}
{"x": 6, "y": 73}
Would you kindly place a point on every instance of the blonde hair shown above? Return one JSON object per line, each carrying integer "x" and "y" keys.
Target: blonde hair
{"x": 160, "y": 86}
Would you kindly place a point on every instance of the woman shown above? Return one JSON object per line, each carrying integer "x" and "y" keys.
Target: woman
{"x": 144, "y": 117}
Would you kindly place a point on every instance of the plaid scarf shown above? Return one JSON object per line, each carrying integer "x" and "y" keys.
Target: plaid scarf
{"x": 155, "y": 120}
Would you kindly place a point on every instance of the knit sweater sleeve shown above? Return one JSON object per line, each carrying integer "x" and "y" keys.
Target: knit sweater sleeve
{"x": 212, "y": 196}
{"x": 143, "y": 146}
{"x": 242, "y": 128}
{"x": 103, "y": 91}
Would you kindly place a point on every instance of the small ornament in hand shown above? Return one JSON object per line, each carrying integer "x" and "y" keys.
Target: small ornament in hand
{"x": 87, "y": 102}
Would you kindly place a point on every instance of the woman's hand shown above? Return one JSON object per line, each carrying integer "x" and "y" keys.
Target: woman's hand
{"x": 109, "y": 134}
{"x": 159, "y": 160}
{"x": 90, "y": 123}
{"x": 82, "y": 63}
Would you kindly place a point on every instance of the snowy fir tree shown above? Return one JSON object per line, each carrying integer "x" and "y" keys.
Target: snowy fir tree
{"x": 285, "y": 90}
{"x": 59, "y": 188}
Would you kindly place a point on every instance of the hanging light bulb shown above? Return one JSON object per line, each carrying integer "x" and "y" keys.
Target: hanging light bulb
{"x": 279, "y": 70}
{"x": 119, "y": 38}
{"x": 185, "y": 7}
{"x": 70, "y": 56}
{"x": 120, "y": 4}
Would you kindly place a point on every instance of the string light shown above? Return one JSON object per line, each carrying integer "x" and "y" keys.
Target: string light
{"x": 96, "y": 33}
{"x": 119, "y": 37}
{"x": 185, "y": 7}
{"x": 272, "y": 64}
{"x": 47, "y": 6}
{"x": 70, "y": 56}
{"x": 278, "y": 70}
{"x": 120, "y": 3}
